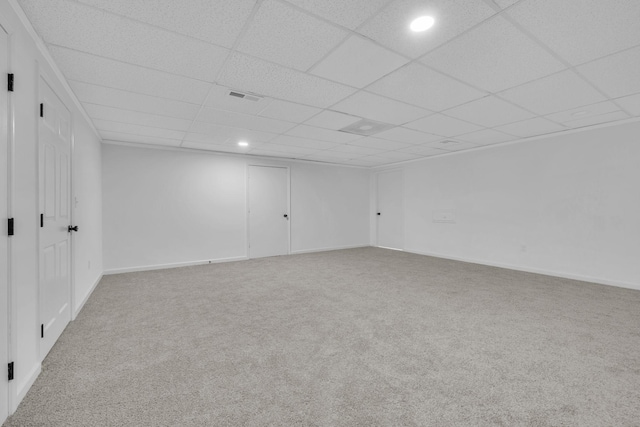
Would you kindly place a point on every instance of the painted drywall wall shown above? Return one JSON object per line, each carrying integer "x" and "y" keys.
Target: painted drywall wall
{"x": 166, "y": 208}
{"x": 566, "y": 205}
{"x": 27, "y": 63}
{"x": 87, "y": 202}
{"x": 329, "y": 207}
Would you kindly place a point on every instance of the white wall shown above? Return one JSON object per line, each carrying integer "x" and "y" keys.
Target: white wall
{"x": 27, "y": 62}
{"x": 566, "y": 205}
{"x": 176, "y": 207}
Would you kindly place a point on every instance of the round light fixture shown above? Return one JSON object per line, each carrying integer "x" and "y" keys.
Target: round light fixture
{"x": 422, "y": 23}
{"x": 243, "y": 144}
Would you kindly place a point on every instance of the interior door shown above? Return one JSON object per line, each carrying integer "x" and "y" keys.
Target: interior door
{"x": 55, "y": 240}
{"x": 4, "y": 239}
{"x": 268, "y": 211}
{"x": 390, "y": 210}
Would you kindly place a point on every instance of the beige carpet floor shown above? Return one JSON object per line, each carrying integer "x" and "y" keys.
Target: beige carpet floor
{"x": 361, "y": 337}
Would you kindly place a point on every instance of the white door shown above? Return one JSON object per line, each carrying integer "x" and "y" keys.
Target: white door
{"x": 4, "y": 239}
{"x": 268, "y": 211}
{"x": 390, "y": 212}
{"x": 55, "y": 239}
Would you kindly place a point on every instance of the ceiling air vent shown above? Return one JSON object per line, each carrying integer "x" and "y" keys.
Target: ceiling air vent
{"x": 245, "y": 96}
{"x": 366, "y": 127}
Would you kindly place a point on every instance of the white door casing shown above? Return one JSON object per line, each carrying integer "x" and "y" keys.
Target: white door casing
{"x": 5, "y": 305}
{"x": 55, "y": 208}
{"x": 268, "y": 189}
{"x": 390, "y": 213}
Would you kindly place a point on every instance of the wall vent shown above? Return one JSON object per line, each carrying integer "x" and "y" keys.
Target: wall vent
{"x": 245, "y": 96}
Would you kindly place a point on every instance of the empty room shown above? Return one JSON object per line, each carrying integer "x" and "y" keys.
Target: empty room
{"x": 320, "y": 213}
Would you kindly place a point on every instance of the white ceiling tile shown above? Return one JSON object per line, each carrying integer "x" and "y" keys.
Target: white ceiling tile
{"x": 214, "y": 21}
{"x": 439, "y": 124}
{"x": 294, "y": 149}
{"x": 279, "y": 154}
{"x": 356, "y": 150}
{"x": 222, "y": 148}
{"x": 581, "y": 30}
{"x": 261, "y": 77}
{"x": 550, "y": 94}
{"x": 595, "y": 120}
{"x": 486, "y": 137}
{"x": 489, "y": 112}
{"x": 133, "y": 101}
{"x": 289, "y": 111}
{"x": 106, "y": 125}
{"x": 105, "y": 72}
{"x": 138, "y": 139}
{"x": 312, "y": 132}
{"x": 332, "y": 120}
{"x": 505, "y": 3}
{"x": 409, "y": 136}
{"x": 102, "y": 112}
{"x": 244, "y": 121}
{"x": 391, "y": 26}
{"x": 423, "y": 150}
{"x": 398, "y": 156}
{"x": 531, "y": 127}
{"x": 287, "y": 36}
{"x": 379, "y": 144}
{"x": 358, "y": 62}
{"x": 418, "y": 85}
{"x": 303, "y": 142}
{"x": 451, "y": 145}
{"x": 222, "y": 133}
{"x": 631, "y": 104}
{"x": 200, "y": 138}
{"x": 583, "y": 112}
{"x": 494, "y": 56}
{"x": 60, "y": 23}
{"x": 219, "y": 97}
{"x": 338, "y": 155}
{"x": 616, "y": 75}
{"x": 381, "y": 109}
{"x": 349, "y": 14}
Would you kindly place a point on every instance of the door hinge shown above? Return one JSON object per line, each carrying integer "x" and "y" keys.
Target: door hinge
{"x": 10, "y": 227}
{"x": 41, "y": 220}
{"x": 41, "y": 110}
{"x": 10, "y": 372}
{"x": 42, "y": 330}
{"x": 10, "y": 82}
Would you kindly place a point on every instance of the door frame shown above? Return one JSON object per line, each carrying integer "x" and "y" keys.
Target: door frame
{"x": 49, "y": 81}
{"x": 247, "y": 207}
{"x": 8, "y": 149}
{"x": 377, "y": 204}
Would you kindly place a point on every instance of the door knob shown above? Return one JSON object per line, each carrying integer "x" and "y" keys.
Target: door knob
{"x": 286, "y": 216}
{"x": 378, "y": 213}
{"x": 73, "y": 228}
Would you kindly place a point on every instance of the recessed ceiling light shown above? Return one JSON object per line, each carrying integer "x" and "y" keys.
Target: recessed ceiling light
{"x": 422, "y": 23}
{"x": 243, "y": 144}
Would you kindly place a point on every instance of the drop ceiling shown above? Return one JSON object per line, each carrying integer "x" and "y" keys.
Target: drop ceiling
{"x": 160, "y": 72}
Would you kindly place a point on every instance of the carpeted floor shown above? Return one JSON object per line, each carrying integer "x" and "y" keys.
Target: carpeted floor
{"x": 361, "y": 337}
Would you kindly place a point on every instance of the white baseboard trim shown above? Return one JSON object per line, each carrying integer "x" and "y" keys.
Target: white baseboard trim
{"x": 333, "y": 248}
{"x": 592, "y": 279}
{"x": 86, "y": 297}
{"x": 23, "y": 388}
{"x": 172, "y": 265}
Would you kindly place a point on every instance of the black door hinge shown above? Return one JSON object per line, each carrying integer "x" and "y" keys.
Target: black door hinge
{"x": 42, "y": 330}
{"x": 41, "y": 110}
{"x": 10, "y": 226}
{"x": 10, "y": 372}
{"x": 10, "y": 82}
{"x": 41, "y": 220}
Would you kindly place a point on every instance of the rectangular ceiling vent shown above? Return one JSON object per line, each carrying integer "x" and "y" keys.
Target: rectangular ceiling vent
{"x": 366, "y": 127}
{"x": 245, "y": 96}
